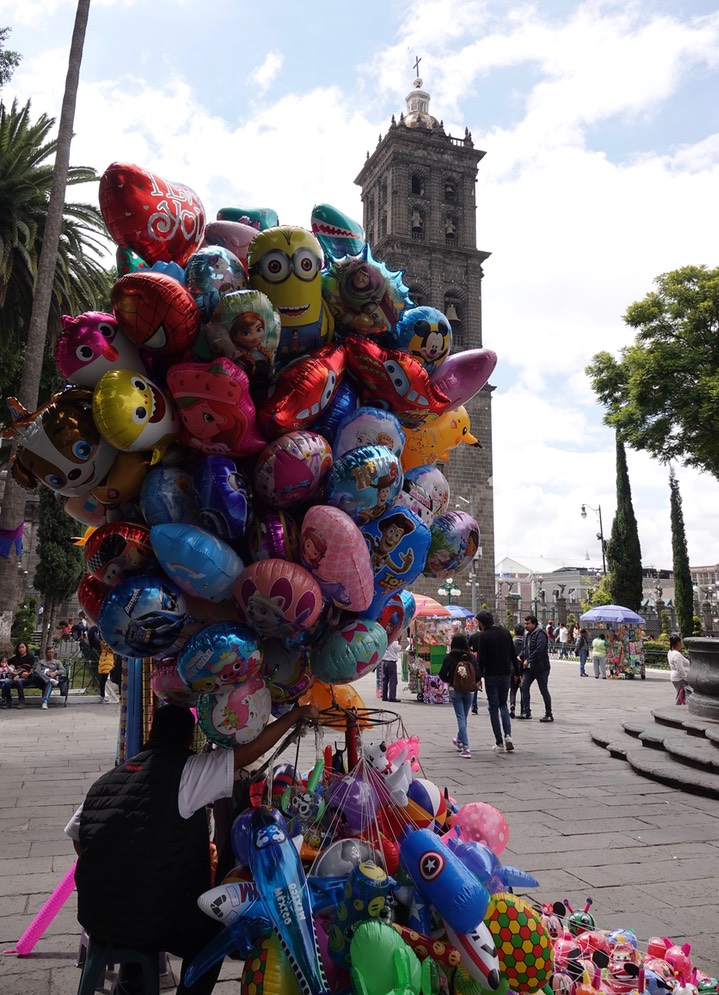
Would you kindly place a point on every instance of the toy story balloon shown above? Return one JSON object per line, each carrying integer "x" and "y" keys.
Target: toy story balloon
{"x": 301, "y": 391}
{"x": 236, "y": 715}
{"x": 211, "y": 273}
{"x": 338, "y": 234}
{"x": 217, "y": 412}
{"x": 278, "y": 598}
{"x": 350, "y": 652}
{"x": 223, "y": 496}
{"x": 434, "y": 483}
{"x": 426, "y": 334}
{"x": 60, "y": 445}
{"x": 368, "y": 426}
{"x": 434, "y": 442}
{"x": 167, "y": 496}
{"x": 246, "y": 328}
{"x": 292, "y": 469}
{"x": 398, "y": 543}
{"x": 133, "y": 414}
{"x": 156, "y": 312}
{"x": 395, "y": 380}
{"x": 364, "y": 482}
{"x": 118, "y": 550}
{"x": 258, "y": 218}
{"x": 455, "y": 541}
{"x": 156, "y": 218}
{"x": 333, "y": 549}
{"x": 230, "y": 235}
{"x": 90, "y": 345}
{"x": 364, "y": 295}
{"x": 144, "y": 617}
{"x": 199, "y": 562}
{"x": 274, "y": 535}
{"x": 218, "y": 657}
{"x": 464, "y": 374}
{"x": 285, "y": 264}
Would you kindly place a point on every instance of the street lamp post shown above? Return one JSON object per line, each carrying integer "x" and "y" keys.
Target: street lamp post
{"x": 448, "y": 590}
{"x": 473, "y": 577}
{"x": 600, "y": 535}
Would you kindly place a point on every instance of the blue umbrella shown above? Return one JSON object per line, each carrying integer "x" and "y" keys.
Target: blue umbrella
{"x": 457, "y": 611}
{"x": 612, "y": 613}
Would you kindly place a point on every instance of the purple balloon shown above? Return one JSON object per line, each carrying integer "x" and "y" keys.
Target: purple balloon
{"x": 463, "y": 375}
{"x": 274, "y": 536}
{"x": 356, "y": 800}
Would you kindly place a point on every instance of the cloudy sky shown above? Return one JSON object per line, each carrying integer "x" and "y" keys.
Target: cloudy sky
{"x": 601, "y": 125}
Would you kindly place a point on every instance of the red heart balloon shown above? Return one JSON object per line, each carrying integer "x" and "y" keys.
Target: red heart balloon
{"x": 159, "y": 220}
{"x": 91, "y": 594}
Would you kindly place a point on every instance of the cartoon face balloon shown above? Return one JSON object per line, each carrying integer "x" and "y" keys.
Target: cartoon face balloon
{"x": 157, "y": 219}
{"x": 278, "y": 598}
{"x": 217, "y": 412}
{"x": 364, "y": 482}
{"x": 434, "y": 482}
{"x": 60, "y": 445}
{"x": 211, "y": 273}
{"x": 426, "y": 334}
{"x": 90, "y": 345}
{"x": 133, "y": 414}
{"x": 223, "y": 496}
{"x": 156, "y": 312}
{"x": 368, "y": 427}
{"x": 333, "y": 549}
{"x": 302, "y": 391}
{"x": 144, "y": 617}
{"x": 434, "y": 442}
{"x": 285, "y": 265}
{"x": 246, "y": 328}
{"x": 338, "y": 234}
{"x": 292, "y": 469}
{"x": 398, "y": 543}
{"x": 219, "y": 657}
{"x": 364, "y": 295}
{"x": 118, "y": 550}
{"x": 236, "y": 716}
{"x": 455, "y": 541}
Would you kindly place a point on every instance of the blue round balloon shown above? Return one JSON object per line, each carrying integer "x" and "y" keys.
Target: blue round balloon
{"x": 426, "y": 334}
{"x": 223, "y": 496}
{"x": 364, "y": 482}
{"x": 167, "y": 496}
{"x": 346, "y": 399}
{"x": 144, "y": 617}
{"x": 218, "y": 657}
{"x": 198, "y": 562}
{"x": 369, "y": 427}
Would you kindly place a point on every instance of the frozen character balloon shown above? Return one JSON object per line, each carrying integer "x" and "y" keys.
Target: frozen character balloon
{"x": 426, "y": 334}
{"x": 285, "y": 264}
{"x": 302, "y": 391}
{"x": 335, "y": 553}
{"x": 434, "y": 442}
{"x": 60, "y": 445}
{"x": 133, "y": 414}
{"x": 246, "y": 328}
{"x": 211, "y": 273}
{"x": 155, "y": 311}
{"x": 90, "y": 345}
{"x": 434, "y": 483}
{"x": 338, "y": 234}
{"x": 217, "y": 412}
{"x": 368, "y": 426}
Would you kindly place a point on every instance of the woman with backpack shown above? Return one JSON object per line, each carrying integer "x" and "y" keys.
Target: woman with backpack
{"x": 459, "y": 670}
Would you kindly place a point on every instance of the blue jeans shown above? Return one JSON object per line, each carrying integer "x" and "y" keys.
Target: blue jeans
{"x": 497, "y": 689}
{"x": 461, "y": 703}
{"x": 542, "y": 680}
{"x": 583, "y": 654}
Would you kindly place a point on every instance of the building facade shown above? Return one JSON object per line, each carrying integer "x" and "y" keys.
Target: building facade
{"x": 419, "y": 209}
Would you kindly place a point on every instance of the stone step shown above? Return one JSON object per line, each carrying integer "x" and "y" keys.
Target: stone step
{"x": 636, "y": 726}
{"x": 665, "y": 769}
{"x": 679, "y": 717}
{"x": 653, "y": 736}
{"x": 695, "y": 753}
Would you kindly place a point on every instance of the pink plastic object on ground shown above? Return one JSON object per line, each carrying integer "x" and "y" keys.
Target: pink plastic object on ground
{"x": 26, "y": 944}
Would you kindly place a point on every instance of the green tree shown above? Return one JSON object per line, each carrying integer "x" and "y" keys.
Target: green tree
{"x": 9, "y": 60}
{"x": 23, "y": 624}
{"x": 60, "y": 562}
{"x": 601, "y": 595}
{"x": 683, "y": 586}
{"x": 662, "y": 394}
{"x": 624, "y": 554}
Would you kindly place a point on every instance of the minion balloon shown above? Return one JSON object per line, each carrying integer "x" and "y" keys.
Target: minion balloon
{"x": 133, "y": 414}
{"x": 285, "y": 264}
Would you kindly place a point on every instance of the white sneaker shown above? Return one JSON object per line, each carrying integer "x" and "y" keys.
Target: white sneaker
{"x": 465, "y": 754}
{"x": 44, "y": 704}
{"x": 508, "y": 744}
{"x": 457, "y": 745}
{"x": 498, "y": 749}
{"x": 106, "y": 701}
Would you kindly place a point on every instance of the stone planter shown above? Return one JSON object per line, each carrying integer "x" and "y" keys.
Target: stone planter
{"x": 704, "y": 677}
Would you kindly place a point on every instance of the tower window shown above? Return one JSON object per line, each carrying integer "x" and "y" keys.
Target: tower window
{"x": 383, "y": 224}
{"x": 417, "y": 223}
{"x": 450, "y": 192}
{"x": 450, "y": 229}
{"x": 417, "y": 185}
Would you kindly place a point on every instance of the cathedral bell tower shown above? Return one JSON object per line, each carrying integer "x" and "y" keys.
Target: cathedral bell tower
{"x": 419, "y": 208}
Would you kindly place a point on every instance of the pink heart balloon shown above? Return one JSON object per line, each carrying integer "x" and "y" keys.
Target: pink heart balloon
{"x": 232, "y": 235}
{"x": 463, "y": 375}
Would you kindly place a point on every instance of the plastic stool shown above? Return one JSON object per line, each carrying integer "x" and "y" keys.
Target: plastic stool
{"x": 99, "y": 956}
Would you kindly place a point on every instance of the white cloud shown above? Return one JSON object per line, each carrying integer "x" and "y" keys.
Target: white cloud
{"x": 266, "y": 73}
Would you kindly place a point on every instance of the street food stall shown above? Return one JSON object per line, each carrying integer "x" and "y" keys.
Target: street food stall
{"x": 622, "y": 628}
{"x": 431, "y": 633}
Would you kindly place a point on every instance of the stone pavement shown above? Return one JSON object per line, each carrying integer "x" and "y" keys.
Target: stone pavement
{"x": 583, "y": 823}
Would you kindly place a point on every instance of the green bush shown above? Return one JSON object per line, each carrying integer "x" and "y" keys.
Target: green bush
{"x": 655, "y": 653}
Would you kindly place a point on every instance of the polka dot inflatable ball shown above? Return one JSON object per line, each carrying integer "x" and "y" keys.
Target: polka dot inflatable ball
{"x": 267, "y": 970}
{"x": 478, "y": 822}
{"x": 524, "y": 946}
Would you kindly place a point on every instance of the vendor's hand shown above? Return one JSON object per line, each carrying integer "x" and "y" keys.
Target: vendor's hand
{"x": 526, "y": 665}
{"x": 308, "y": 713}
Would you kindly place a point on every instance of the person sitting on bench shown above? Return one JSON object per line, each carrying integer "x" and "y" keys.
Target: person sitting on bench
{"x": 47, "y": 674}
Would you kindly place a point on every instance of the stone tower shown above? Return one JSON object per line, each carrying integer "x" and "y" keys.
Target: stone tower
{"x": 418, "y": 196}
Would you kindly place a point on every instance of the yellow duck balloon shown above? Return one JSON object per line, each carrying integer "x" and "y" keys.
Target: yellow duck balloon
{"x": 433, "y": 443}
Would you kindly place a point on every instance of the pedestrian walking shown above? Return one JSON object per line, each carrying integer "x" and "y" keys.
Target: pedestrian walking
{"x": 496, "y": 659}
{"x": 599, "y": 656}
{"x": 516, "y": 683}
{"x": 563, "y": 641}
{"x": 536, "y": 666}
{"x": 459, "y": 670}
{"x": 678, "y": 669}
{"x": 389, "y": 671}
{"x": 581, "y": 649}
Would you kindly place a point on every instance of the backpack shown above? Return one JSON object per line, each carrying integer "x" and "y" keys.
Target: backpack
{"x": 464, "y": 678}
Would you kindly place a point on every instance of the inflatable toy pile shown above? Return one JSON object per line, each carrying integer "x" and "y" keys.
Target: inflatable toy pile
{"x": 251, "y": 440}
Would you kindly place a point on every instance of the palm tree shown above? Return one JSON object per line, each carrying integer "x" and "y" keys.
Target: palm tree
{"x": 54, "y": 246}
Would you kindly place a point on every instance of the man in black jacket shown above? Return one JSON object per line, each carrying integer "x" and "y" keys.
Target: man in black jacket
{"x": 535, "y": 661}
{"x": 496, "y": 659}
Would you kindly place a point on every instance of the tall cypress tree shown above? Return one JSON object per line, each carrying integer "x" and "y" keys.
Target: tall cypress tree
{"x": 683, "y": 587}
{"x": 624, "y": 554}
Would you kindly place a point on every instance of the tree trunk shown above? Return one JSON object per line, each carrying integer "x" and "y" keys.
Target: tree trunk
{"x": 13, "y": 506}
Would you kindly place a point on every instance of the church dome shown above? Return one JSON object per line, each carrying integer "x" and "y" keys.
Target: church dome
{"x": 417, "y": 114}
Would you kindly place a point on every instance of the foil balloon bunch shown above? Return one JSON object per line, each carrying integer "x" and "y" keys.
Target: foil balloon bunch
{"x": 253, "y": 432}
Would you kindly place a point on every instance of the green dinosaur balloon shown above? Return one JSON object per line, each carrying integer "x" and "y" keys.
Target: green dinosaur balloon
{"x": 383, "y": 964}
